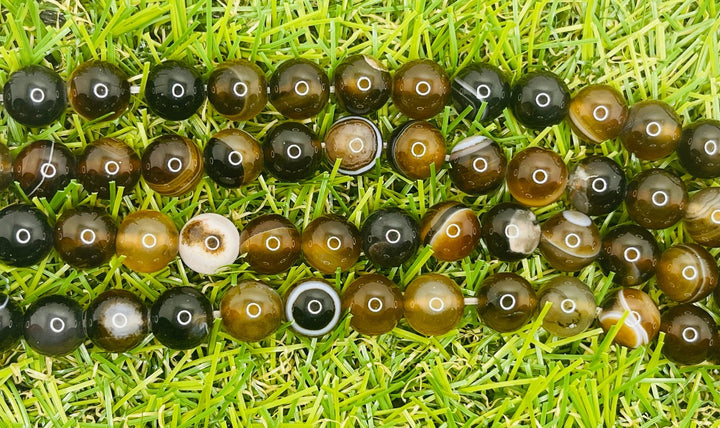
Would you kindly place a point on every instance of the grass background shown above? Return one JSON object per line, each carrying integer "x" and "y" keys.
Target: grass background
{"x": 472, "y": 376}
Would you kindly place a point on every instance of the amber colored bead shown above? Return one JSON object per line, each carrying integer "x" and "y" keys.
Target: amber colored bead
{"x": 421, "y": 89}
{"x": 330, "y": 242}
{"x": 43, "y": 168}
{"x": 642, "y": 322}
{"x": 506, "y": 301}
{"x": 148, "y": 240}
{"x": 108, "y": 160}
{"x": 25, "y": 235}
{"x": 433, "y": 304}
{"x": 481, "y": 86}
{"x": 237, "y": 89}
{"x": 99, "y": 89}
{"x": 656, "y": 199}
{"x": 117, "y": 321}
{"x": 35, "y": 96}
{"x": 702, "y": 217}
{"x": 652, "y": 130}
{"x": 299, "y": 88}
{"x": 313, "y": 307}
{"x": 375, "y": 303}
{"x": 270, "y": 243}
{"x": 570, "y": 241}
{"x": 699, "y": 149}
{"x": 85, "y": 237}
{"x": 597, "y": 185}
{"x": 478, "y": 165}
{"x": 687, "y": 273}
{"x": 630, "y": 252}
{"x": 292, "y": 151}
{"x": 690, "y": 334}
{"x": 356, "y": 142}
{"x": 451, "y": 229}
{"x": 251, "y": 311}
{"x": 390, "y": 237}
{"x": 174, "y": 91}
{"x": 53, "y": 325}
{"x": 362, "y": 84}
{"x": 172, "y": 165}
{"x": 233, "y": 158}
{"x": 413, "y": 147}
{"x": 598, "y": 113}
{"x": 510, "y": 231}
{"x": 572, "y": 309}
{"x": 6, "y": 167}
{"x": 536, "y": 177}
{"x": 208, "y": 243}
{"x": 540, "y": 99}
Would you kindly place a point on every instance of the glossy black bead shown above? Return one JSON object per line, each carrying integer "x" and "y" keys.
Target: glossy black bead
{"x": 117, "y": 320}
{"x": 35, "y": 96}
{"x": 306, "y": 317}
{"x": 11, "y": 322}
{"x": 292, "y": 151}
{"x": 479, "y": 85}
{"x": 540, "y": 99}
{"x": 174, "y": 91}
{"x": 181, "y": 318}
{"x": 25, "y": 235}
{"x": 699, "y": 149}
{"x": 53, "y": 325}
{"x": 390, "y": 237}
{"x": 597, "y": 185}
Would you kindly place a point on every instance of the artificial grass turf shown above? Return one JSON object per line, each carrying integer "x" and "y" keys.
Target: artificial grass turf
{"x": 471, "y": 376}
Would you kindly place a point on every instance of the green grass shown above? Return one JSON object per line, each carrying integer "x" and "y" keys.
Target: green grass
{"x": 472, "y": 376}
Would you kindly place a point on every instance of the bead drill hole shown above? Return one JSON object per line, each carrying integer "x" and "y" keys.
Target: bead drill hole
{"x": 22, "y": 236}
{"x": 653, "y": 129}
{"x": 660, "y": 198}
{"x": 240, "y": 89}
{"x": 689, "y": 273}
{"x": 119, "y": 320}
{"x": 599, "y": 185}
{"x": 177, "y": 90}
{"x": 572, "y": 240}
{"x": 375, "y": 304}
{"x": 57, "y": 325}
{"x": 87, "y": 236}
{"x": 174, "y": 164}
{"x": 568, "y": 306}
{"x": 418, "y": 149}
{"x": 235, "y": 158}
{"x": 272, "y": 243}
{"x": 482, "y": 91}
{"x": 710, "y": 147}
{"x": 48, "y": 170}
{"x": 436, "y": 304}
{"x": 507, "y": 302}
{"x": 334, "y": 243}
{"x": 392, "y": 236}
{"x": 212, "y": 243}
{"x": 112, "y": 167}
{"x": 253, "y": 310}
{"x": 356, "y": 145}
{"x": 512, "y": 231}
{"x": 600, "y": 113}
{"x": 539, "y": 176}
{"x": 294, "y": 151}
{"x": 452, "y": 231}
{"x": 101, "y": 90}
{"x": 314, "y": 307}
{"x": 480, "y": 165}
{"x": 149, "y": 240}
{"x": 715, "y": 217}
{"x": 37, "y": 95}
{"x": 690, "y": 334}
{"x": 631, "y": 254}
{"x": 364, "y": 84}
{"x": 184, "y": 317}
{"x": 302, "y": 88}
{"x": 422, "y": 88}
{"x": 542, "y": 99}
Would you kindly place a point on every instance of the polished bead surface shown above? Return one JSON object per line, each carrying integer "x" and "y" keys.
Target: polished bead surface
{"x": 652, "y": 130}
{"x": 375, "y": 303}
{"x": 85, "y": 237}
{"x": 233, "y": 158}
{"x": 174, "y": 91}
{"x": 656, "y": 199}
{"x": 596, "y": 185}
{"x": 148, "y": 240}
{"x": 6, "y": 167}
{"x": 181, "y": 318}
{"x": 631, "y": 253}
{"x": 362, "y": 84}
{"x": 251, "y": 311}
{"x": 451, "y": 229}
{"x": 117, "y": 321}
{"x": 699, "y": 149}
{"x": 413, "y": 147}
{"x": 25, "y": 235}
{"x": 331, "y": 242}
{"x": 313, "y": 307}
{"x": 421, "y": 89}
{"x": 572, "y": 309}
{"x": 570, "y": 241}
{"x": 270, "y": 244}
{"x": 43, "y": 168}
{"x": 690, "y": 334}
{"x": 11, "y": 323}
{"x": 478, "y": 165}
{"x": 598, "y": 113}
{"x": 299, "y": 88}
{"x": 540, "y": 99}
{"x": 108, "y": 160}
{"x": 536, "y": 177}
{"x": 237, "y": 89}
{"x": 510, "y": 231}
{"x": 506, "y": 301}
{"x": 643, "y": 317}
{"x": 390, "y": 237}
{"x": 687, "y": 273}
{"x": 702, "y": 217}
{"x": 35, "y": 96}
{"x": 481, "y": 86}
{"x": 172, "y": 165}
{"x": 356, "y": 142}
{"x": 433, "y": 304}
{"x": 209, "y": 242}
{"x": 53, "y": 325}
{"x": 99, "y": 89}
{"x": 292, "y": 151}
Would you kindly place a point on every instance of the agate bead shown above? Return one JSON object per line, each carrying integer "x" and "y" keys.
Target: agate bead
{"x": 105, "y": 161}
{"x": 99, "y": 89}
{"x": 251, "y": 311}
{"x": 330, "y": 242}
{"x": 451, "y": 229}
{"x": 85, "y": 237}
{"x": 702, "y": 217}
{"x": 596, "y": 186}
{"x": 292, "y": 151}
{"x": 699, "y": 149}
{"x": 540, "y": 99}
{"x": 11, "y": 323}
{"x": 414, "y": 147}
{"x": 299, "y": 88}
{"x": 510, "y": 231}
{"x": 642, "y": 322}
{"x": 572, "y": 309}
{"x": 6, "y": 167}
{"x": 209, "y": 242}
{"x": 174, "y": 91}
{"x": 506, "y": 301}
{"x": 690, "y": 334}
{"x": 652, "y": 130}
{"x": 233, "y": 158}
{"x": 570, "y": 241}
{"x": 313, "y": 307}
{"x": 181, "y": 318}
{"x": 631, "y": 253}
{"x": 148, "y": 240}
{"x": 433, "y": 304}
{"x": 53, "y": 325}
{"x": 117, "y": 321}
{"x": 43, "y": 168}
{"x": 375, "y": 303}
{"x": 356, "y": 142}
{"x": 35, "y": 96}
{"x": 25, "y": 235}
{"x": 536, "y": 177}
{"x": 478, "y": 165}
{"x": 421, "y": 89}
{"x": 237, "y": 89}
{"x": 598, "y": 113}
{"x": 270, "y": 243}
{"x": 656, "y": 199}
{"x": 687, "y": 273}
{"x": 362, "y": 84}
{"x": 390, "y": 237}
{"x": 482, "y": 87}
{"x": 172, "y": 165}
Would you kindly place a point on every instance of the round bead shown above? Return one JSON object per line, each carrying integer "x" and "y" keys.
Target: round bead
{"x": 390, "y": 237}
{"x": 181, "y": 318}
{"x": 656, "y": 199}
{"x": 148, "y": 240}
{"x": 699, "y": 149}
{"x": 233, "y": 158}
{"x": 481, "y": 86}
{"x": 108, "y": 160}
{"x": 172, "y": 165}
{"x": 598, "y": 113}
{"x": 99, "y": 89}
{"x": 25, "y": 235}
{"x": 631, "y": 253}
{"x": 53, "y": 325}
{"x": 362, "y": 84}
{"x": 292, "y": 151}
{"x": 702, "y": 218}
{"x": 117, "y": 321}
{"x": 570, "y": 241}
{"x": 451, "y": 229}
{"x": 572, "y": 309}
{"x": 11, "y": 323}
{"x": 506, "y": 301}
{"x": 415, "y": 146}
{"x": 433, "y": 304}
{"x": 313, "y": 307}
{"x": 209, "y": 242}
{"x": 375, "y": 303}
{"x": 270, "y": 243}
{"x": 540, "y": 99}
{"x": 652, "y": 130}
{"x": 174, "y": 91}
{"x": 478, "y": 165}
{"x": 6, "y": 167}
{"x": 421, "y": 89}
{"x": 596, "y": 186}
{"x": 251, "y": 311}
{"x": 43, "y": 168}
{"x": 642, "y": 322}
{"x": 356, "y": 142}
{"x": 35, "y": 96}
{"x": 85, "y": 237}
{"x": 536, "y": 177}
{"x": 237, "y": 89}
{"x": 330, "y": 242}
{"x": 690, "y": 334}
{"x": 510, "y": 231}
{"x": 299, "y": 88}
{"x": 687, "y": 273}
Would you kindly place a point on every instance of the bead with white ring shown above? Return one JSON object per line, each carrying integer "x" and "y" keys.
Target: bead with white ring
{"x": 423, "y": 88}
{"x": 184, "y": 317}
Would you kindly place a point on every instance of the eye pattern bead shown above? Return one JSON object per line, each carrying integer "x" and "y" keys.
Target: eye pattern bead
{"x": 702, "y": 217}
{"x": 433, "y": 304}
{"x": 53, "y": 325}
{"x": 85, "y": 237}
{"x": 540, "y": 99}
{"x": 148, "y": 240}
{"x": 237, "y": 89}
{"x": 687, "y": 273}
{"x": 390, "y": 237}
{"x": 35, "y": 96}
{"x": 11, "y": 323}
{"x": 656, "y": 199}
{"x": 299, "y": 89}
{"x": 510, "y": 231}
{"x": 292, "y": 152}
{"x": 690, "y": 334}
{"x": 209, "y": 242}
{"x": 43, "y": 168}
{"x": 25, "y": 235}
{"x": 481, "y": 86}
{"x": 233, "y": 158}
{"x": 356, "y": 142}
{"x": 631, "y": 253}
{"x": 596, "y": 186}
{"x": 572, "y": 309}
{"x": 415, "y": 146}
{"x": 652, "y": 130}
{"x": 108, "y": 160}
{"x": 506, "y": 301}
{"x": 181, "y": 318}
{"x": 172, "y": 165}
{"x": 174, "y": 91}
{"x": 421, "y": 89}
{"x": 536, "y": 177}
{"x": 375, "y": 303}
{"x": 642, "y": 322}
{"x": 251, "y": 311}
{"x": 117, "y": 321}
{"x": 570, "y": 241}
{"x": 330, "y": 242}
{"x": 598, "y": 113}
{"x": 99, "y": 89}
{"x": 270, "y": 243}
{"x": 451, "y": 229}
{"x": 362, "y": 84}
{"x": 478, "y": 165}
{"x": 699, "y": 149}
{"x": 313, "y": 307}
{"x": 6, "y": 167}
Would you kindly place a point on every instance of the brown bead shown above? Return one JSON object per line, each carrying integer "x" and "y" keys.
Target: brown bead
{"x": 656, "y": 199}
{"x": 642, "y": 322}
{"x": 299, "y": 88}
{"x": 108, "y": 160}
{"x": 375, "y": 303}
{"x": 172, "y": 165}
{"x": 434, "y": 304}
{"x": 43, "y": 168}
{"x": 451, "y": 229}
{"x": 99, "y": 89}
{"x": 148, "y": 240}
{"x": 362, "y": 84}
{"x": 233, "y": 158}
{"x": 415, "y": 146}
{"x": 421, "y": 89}
{"x": 570, "y": 241}
{"x": 330, "y": 242}
{"x": 687, "y": 273}
{"x": 506, "y": 301}
{"x": 251, "y": 311}
{"x": 702, "y": 218}
{"x": 691, "y": 334}
{"x": 6, "y": 167}
{"x": 652, "y": 130}
{"x": 573, "y": 308}
{"x": 117, "y": 321}
{"x": 598, "y": 113}
{"x": 631, "y": 253}
{"x": 536, "y": 177}
{"x": 85, "y": 237}
{"x": 478, "y": 165}
{"x": 270, "y": 243}
{"x": 237, "y": 89}
{"x": 356, "y": 142}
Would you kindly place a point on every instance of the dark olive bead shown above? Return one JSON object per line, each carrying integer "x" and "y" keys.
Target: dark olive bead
{"x": 652, "y": 130}
{"x": 536, "y": 177}
{"x": 117, "y": 321}
{"x": 540, "y": 99}
{"x": 690, "y": 334}
{"x": 292, "y": 151}
{"x": 687, "y": 273}
{"x": 598, "y": 113}
{"x": 43, "y": 168}
{"x": 569, "y": 241}
{"x": 451, "y": 229}
{"x": 421, "y": 89}
{"x": 35, "y": 96}
{"x": 99, "y": 89}
{"x": 699, "y": 149}
{"x": 414, "y": 147}
{"x": 105, "y": 161}
{"x": 356, "y": 142}
{"x": 53, "y": 325}
{"x": 572, "y": 309}
{"x": 85, "y": 237}
{"x": 331, "y": 242}
{"x": 375, "y": 303}
{"x": 702, "y": 218}
{"x": 270, "y": 243}
{"x": 181, "y": 318}
{"x": 479, "y": 86}
{"x": 390, "y": 237}
{"x": 11, "y": 323}
{"x": 478, "y": 165}
{"x": 510, "y": 231}
{"x": 172, "y": 165}
{"x": 362, "y": 84}
{"x": 631, "y": 253}
{"x": 656, "y": 199}
{"x": 251, "y": 311}
{"x": 237, "y": 89}
{"x": 6, "y": 167}
{"x": 233, "y": 158}
{"x": 299, "y": 88}
{"x": 148, "y": 240}
{"x": 596, "y": 186}
{"x": 434, "y": 304}
{"x": 25, "y": 235}
{"x": 174, "y": 91}
{"x": 506, "y": 301}
{"x": 313, "y": 307}
{"x": 642, "y": 321}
